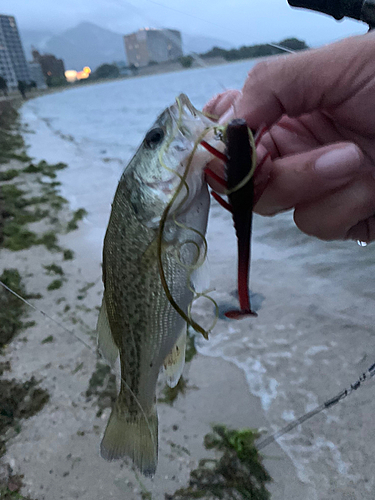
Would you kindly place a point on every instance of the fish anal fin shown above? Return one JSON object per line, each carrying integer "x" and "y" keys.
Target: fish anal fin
{"x": 133, "y": 436}
{"x": 175, "y": 361}
{"x": 106, "y": 343}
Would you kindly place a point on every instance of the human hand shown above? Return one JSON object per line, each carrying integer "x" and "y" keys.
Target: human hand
{"x": 319, "y": 106}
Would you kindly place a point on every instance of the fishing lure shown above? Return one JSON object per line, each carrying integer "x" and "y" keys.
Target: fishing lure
{"x": 240, "y": 162}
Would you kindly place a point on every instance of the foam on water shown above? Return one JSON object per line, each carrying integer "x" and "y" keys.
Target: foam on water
{"x": 311, "y": 294}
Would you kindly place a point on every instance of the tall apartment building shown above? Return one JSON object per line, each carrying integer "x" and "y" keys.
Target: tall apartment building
{"x": 13, "y": 65}
{"x": 152, "y": 45}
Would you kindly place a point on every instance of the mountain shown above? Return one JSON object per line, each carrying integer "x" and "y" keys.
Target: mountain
{"x": 87, "y": 45}
{"x": 90, "y": 45}
{"x": 33, "y": 38}
{"x": 201, "y": 44}
{"x": 84, "y": 45}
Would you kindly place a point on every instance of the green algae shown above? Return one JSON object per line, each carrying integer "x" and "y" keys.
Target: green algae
{"x": 68, "y": 254}
{"x": 54, "y": 269}
{"x": 11, "y": 308}
{"x": 10, "y": 486}
{"x": 102, "y": 387}
{"x": 19, "y": 400}
{"x": 170, "y": 394}
{"x": 17, "y": 208}
{"x": 8, "y": 175}
{"x": 55, "y": 285}
{"x": 237, "y": 475}
{"x": 77, "y": 216}
{"x": 48, "y": 339}
{"x": 45, "y": 168}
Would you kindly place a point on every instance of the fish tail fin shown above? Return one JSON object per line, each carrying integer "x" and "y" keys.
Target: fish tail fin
{"x": 132, "y": 435}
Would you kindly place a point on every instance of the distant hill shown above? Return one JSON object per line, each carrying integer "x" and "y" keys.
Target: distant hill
{"x": 90, "y": 45}
{"x": 201, "y": 44}
{"x": 33, "y": 38}
{"x": 84, "y": 45}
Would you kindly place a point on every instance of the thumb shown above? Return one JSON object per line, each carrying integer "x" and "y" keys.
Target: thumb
{"x": 301, "y": 83}
{"x": 303, "y": 177}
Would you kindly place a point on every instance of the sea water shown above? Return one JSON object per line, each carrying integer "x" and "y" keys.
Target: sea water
{"x": 314, "y": 334}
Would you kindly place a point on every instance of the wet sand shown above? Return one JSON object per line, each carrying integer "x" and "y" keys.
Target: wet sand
{"x": 57, "y": 451}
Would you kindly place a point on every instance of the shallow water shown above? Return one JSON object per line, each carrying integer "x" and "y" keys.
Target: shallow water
{"x": 314, "y": 334}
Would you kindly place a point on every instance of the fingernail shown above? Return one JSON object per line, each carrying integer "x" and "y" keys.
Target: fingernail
{"x": 339, "y": 162}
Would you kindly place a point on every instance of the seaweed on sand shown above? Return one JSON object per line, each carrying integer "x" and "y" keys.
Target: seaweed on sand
{"x": 11, "y": 308}
{"x": 18, "y": 400}
{"x": 170, "y": 394}
{"x": 11, "y": 484}
{"x": 237, "y": 475}
{"x": 102, "y": 386}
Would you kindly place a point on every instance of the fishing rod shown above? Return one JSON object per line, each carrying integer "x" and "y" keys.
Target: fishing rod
{"x": 360, "y": 10}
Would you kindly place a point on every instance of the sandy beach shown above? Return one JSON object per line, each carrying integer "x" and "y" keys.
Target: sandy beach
{"x": 56, "y": 451}
{"x": 313, "y": 337}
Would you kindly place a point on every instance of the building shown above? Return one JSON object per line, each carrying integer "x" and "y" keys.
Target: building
{"x": 51, "y": 66}
{"x": 36, "y": 75}
{"x": 150, "y": 45}
{"x": 13, "y": 65}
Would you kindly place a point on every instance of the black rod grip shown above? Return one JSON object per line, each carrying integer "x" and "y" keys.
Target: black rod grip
{"x": 335, "y": 8}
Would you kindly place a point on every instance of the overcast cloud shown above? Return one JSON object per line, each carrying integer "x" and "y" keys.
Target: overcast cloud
{"x": 241, "y": 22}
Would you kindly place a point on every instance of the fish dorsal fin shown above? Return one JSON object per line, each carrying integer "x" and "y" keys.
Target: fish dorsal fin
{"x": 106, "y": 343}
{"x": 175, "y": 361}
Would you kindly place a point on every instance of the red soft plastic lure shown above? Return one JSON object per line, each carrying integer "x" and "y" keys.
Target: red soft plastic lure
{"x": 238, "y": 162}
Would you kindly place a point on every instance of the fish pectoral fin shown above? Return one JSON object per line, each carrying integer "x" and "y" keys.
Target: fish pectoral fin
{"x": 132, "y": 435}
{"x": 106, "y": 343}
{"x": 175, "y": 361}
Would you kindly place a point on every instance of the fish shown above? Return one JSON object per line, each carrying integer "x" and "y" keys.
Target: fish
{"x": 137, "y": 321}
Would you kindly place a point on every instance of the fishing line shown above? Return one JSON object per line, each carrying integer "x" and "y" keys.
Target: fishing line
{"x": 365, "y": 377}
{"x": 184, "y": 13}
{"x": 327, "y": 404}
{"x": 162, "y": 223}
{"x": 47, "y": 316}
{"x": 43, "y": 313}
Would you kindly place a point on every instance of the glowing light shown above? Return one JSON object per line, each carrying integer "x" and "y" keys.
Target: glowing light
{"x": 87, "y": 70}
{"x": 71, "y": 75}
{"x": 82, "y": 75}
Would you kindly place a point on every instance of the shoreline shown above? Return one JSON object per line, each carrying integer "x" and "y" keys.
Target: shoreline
{"x": 53, "y": 439}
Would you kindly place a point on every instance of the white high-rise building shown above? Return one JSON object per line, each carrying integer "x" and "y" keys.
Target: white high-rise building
{"x": 151, "y": 45}
{"x": 13, "y": 65}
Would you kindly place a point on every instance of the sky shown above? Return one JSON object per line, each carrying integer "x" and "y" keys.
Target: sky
{"x": 241, "y": 22}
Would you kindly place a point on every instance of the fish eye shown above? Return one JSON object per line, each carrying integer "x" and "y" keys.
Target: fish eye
{"x": 154, "y": 137}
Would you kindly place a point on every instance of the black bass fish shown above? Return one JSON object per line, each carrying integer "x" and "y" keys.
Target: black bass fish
{"x": 137, "y": 321}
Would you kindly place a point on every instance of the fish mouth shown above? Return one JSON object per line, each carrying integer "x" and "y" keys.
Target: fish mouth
{"x": 190, "y": 121}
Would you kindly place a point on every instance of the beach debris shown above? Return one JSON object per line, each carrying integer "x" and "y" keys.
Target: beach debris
{"x": 154, "y": 242}
{"x": 238, "y": 474}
